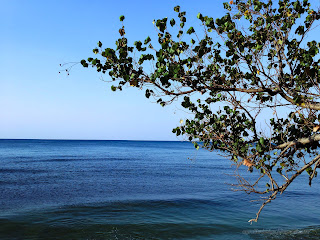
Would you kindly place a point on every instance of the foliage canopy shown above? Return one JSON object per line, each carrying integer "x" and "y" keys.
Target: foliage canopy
{"x": 254, "y": 62}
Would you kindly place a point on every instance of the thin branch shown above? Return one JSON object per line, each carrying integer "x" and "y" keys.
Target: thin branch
{"x": 270, "y": 198}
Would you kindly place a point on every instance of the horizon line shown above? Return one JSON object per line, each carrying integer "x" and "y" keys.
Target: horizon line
{"x": 62, "y": 139}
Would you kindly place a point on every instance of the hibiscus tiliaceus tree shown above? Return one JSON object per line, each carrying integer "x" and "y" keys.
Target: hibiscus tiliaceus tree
{"x": 255, "y": 66}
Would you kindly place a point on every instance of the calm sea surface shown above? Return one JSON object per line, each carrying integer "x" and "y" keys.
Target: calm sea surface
{"x": 138, "y": 190}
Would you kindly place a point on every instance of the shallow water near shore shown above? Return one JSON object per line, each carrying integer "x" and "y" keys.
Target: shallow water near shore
{"x": 56, "y": 189}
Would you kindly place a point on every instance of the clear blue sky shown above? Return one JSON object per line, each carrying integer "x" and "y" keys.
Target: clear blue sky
{"x": 37, "y": 102}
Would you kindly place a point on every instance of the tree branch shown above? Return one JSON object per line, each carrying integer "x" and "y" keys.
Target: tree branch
{"x": 303, "y": 141}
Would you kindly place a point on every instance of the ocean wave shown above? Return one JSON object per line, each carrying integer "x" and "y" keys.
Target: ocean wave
{"x": 312, "y": 233}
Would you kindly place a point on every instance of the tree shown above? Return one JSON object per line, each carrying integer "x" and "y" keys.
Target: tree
{"x": 262, "y": 65}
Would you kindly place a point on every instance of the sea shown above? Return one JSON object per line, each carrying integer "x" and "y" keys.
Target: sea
{"x": 79, "y": 189}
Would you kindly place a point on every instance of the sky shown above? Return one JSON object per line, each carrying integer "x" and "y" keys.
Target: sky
{"x": 36, "y": 102}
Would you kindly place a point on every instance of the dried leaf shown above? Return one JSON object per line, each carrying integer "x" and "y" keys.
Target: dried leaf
{"x": 316, "y": 128}
{"x": 247, "y": 163}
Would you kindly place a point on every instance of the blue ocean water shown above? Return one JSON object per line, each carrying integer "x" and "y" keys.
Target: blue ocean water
{"x": 65, "y": 189}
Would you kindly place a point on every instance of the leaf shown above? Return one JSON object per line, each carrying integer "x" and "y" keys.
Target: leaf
{"x": 300, "y": 30}
{"x": 247, "y": 162}
{"x": 172, "y": 22}
{"x": 134, "y": 83}
{"x": 147, "y": 93}
{"x": 84, "y": 63}
{"x": 190, "y": 30}
{"x": 147, "y": 40}
{"x": 121, "y": 18}
{"x": 259, "y": 149}
{"x": 122, "y": 32}
{"x": 176, "y": 8}
{"x": 316, "y": 128}
{"x": 196, "y": 145}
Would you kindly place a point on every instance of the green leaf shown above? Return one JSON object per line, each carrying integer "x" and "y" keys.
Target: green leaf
{"x": 300, "y": 30}
{"x": 147, "y": 40}
{"x": 84, "y": 63}
{"x": 99, "y": 44}
{"x": 176, "y": 8}
{"x": 147, "y": 93}
{"x": 172, "y": 22}
{"x": 259, "y": 149}
{"x": 190, "y": 30}
{"x": 196, "y": 145}
{"x": 121, "y": 18}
